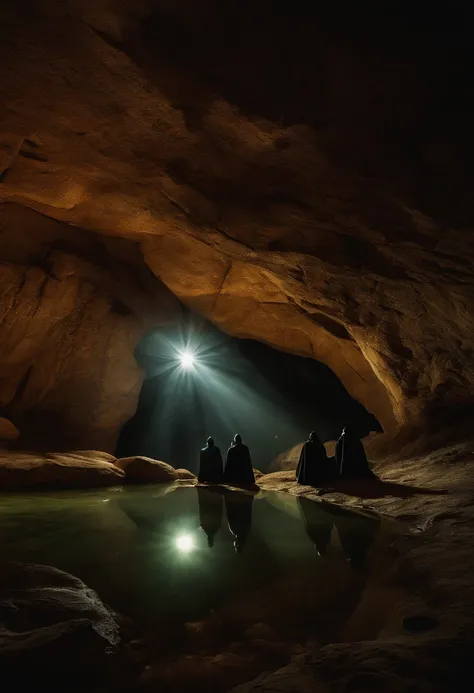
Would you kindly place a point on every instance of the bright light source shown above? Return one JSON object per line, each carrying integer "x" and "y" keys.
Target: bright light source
{"x": 187, "y": 359}
{"x": 185, "y": 543}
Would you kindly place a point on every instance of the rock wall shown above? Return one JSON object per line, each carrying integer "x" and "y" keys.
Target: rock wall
{"x": 73, "y": 307}
{"x": 298, "y": 179}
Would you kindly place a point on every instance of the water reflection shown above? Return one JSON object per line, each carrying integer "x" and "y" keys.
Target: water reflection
{"x": 210, "y": 512}
{"x": 318, "y": 524}
{"x": 356, "y": 532}
{"x": 238, "y": 505}
{"x": 144, "y": 553}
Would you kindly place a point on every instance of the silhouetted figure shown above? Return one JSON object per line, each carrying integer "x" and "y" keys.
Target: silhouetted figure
{"x": 350, "y": 456}
{"x": 238, "y": 468}
{"x": 238, "y": 507}
{"x": 318, "y": 524}
{"x": 314, "y": 468}
{"x": 210, "y": 512}
{"x": 210, "y": 464}
{"x": 356, "y": 534}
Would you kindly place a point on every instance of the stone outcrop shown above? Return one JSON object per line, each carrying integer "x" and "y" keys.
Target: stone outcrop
{"x": 298, "y": 180}
{"x": 55, "y": 471}
{"x": 46, "y": 618}
{"x": 7, "y": 430}
{"x": 142, "y": 470}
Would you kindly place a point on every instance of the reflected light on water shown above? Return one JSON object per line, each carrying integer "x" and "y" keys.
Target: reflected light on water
{"x": 185, "y": 543}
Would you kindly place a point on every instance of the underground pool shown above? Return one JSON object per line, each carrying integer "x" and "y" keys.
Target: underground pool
{"x": 204, "y": 569}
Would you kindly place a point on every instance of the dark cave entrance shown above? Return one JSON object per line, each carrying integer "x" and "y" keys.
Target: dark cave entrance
{"x": 273, "y": 399}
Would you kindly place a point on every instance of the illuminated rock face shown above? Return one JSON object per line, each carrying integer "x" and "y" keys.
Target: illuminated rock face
{"x": 298, "y": 181}
{"x": 73, "y": 308}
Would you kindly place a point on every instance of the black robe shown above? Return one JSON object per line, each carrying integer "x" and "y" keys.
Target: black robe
{"x": 314, "y": 467}
{"x": 351, "y": 459}
{"x": 356, "y": 534}
{"x": 210, "y": 465}
{"x": 238, "y": 507}
{"x": 318, "y": 524}
{"x": 238, "y": 468}
{"x": 210, "y": 512}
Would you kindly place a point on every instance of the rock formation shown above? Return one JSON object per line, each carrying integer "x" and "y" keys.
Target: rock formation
{"x": 299, "y": 180}
{"x": 74, "y": 306}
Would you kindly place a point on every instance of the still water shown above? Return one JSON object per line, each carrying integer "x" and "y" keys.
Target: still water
{"x": 174, "y": 555}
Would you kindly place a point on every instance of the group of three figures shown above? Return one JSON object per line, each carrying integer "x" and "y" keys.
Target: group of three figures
{"x": 315, "y": 468}
{"x": 238, "y": 467}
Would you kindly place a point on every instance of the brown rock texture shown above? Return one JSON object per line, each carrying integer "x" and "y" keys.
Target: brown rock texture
{"x": 73, "y": 308}
{"x": 297, "y": 179}
{"x": 55, "y": 471}
{"x": 7, "y": 430}
{"x": 185, "y": 474}
{"x": 142, "y": 470}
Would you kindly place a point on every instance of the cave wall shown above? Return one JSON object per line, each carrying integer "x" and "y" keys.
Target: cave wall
{"x": 298, "y": 179}
{"x": 73, "y": 307}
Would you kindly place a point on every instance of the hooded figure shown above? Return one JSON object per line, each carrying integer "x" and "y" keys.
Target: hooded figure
{"x": 210, "y": 464}
{"x": 210, "y": 512}
{"x": 238, "y": 507}
{"x": 318, "y": 524}
{"x": 238, "y": 468}
{"x": 313, "y": 468}
{"x": 350, "y": 456}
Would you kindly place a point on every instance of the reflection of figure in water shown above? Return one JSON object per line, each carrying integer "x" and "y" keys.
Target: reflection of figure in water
{"x": 210, "y": 512}
{"x": 238, "y": 468}
{"x": 314, "y": 468}
{"x": 318, "y": 524}
{"x": 210, "y": 464}
{"x": 239, "y": 516}
{"x": 350, "y": 456}
{"x": 356, "y": 534}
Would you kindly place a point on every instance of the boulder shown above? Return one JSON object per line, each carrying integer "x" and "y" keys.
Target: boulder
{"x": 185, "y": 474}
{"x": 257, "y": 473}
{"x": 62, "y": 471}
{"x": 93, "y": 454}
{"x": 8, "y": 431}
{"x": 142, "y": 470}
{"x": 47, "y": 617}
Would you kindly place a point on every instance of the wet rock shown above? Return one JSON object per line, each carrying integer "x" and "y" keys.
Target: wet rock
{"x": 21, "y": 470}
{"x": 53, "y": 628}
{"x": 142, "y": 470}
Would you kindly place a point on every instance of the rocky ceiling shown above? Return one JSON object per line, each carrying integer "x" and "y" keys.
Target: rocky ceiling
{"x": 301, "y": 177}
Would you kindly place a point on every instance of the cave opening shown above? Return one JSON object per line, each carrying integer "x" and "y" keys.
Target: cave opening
{"x": 201, "y": 382}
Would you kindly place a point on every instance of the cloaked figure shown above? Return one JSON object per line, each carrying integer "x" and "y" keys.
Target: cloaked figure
{"x": 350, "y": 456}
{"x": 318, "y": 524}
{"x": 210, "y": 464}
{"x": 210, "y": 512}
{"x": 238, "y": 468}
{"x": 314, "y": 468}
{"x": 356, "y": 534}
{"x": 238, "y": 507}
